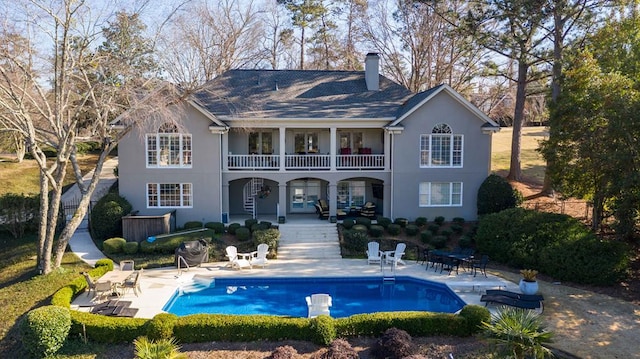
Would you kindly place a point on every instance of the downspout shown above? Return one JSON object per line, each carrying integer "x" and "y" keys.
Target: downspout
{"x": 392, "y": 174}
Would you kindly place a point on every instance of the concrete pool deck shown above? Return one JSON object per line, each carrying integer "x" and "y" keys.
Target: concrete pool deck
{"x": 158, "y": 285}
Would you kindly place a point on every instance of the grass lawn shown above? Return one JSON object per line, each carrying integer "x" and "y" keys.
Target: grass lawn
{"x": 533, "y": 165}
{"x": 23, "y": 177}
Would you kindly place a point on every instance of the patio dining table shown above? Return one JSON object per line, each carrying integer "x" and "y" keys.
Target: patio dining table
{"x": 116, "y": 277}
{"x": 460, "y": 257}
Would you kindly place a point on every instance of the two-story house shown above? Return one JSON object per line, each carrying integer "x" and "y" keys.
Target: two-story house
{"x": 273, "y": 142}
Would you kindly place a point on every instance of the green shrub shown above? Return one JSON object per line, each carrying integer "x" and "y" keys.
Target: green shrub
{"x": 402, "y": 222}
{"x": 411, "y": 230}
{"x": 323, "y": 330}
{"x": 250, "y": 222}
{"x": 130, "y": 248}
{"x": 106, "y": 216}
{"x": 105, "y": 262}
{"x": 348, "y": 223}
{"x": 161, "y": 326}
{"x": 363, "y": 221}
{"x": 259, "y": 227}
{"x": 105, "y": 329}
{"x": 243, "y": 234}
{"x": 200, "y": 328}
{"x": 376, "y": 231}
{"x": 556, "y": 245}
{"x": 394, "y": 229}
{"x": 355, "y": 241}
{"x": 113, "y": 245}
{"x": 267, "y": 224}
{"x": 384, "y": 222}
{"x": 458, "y": 220}
{"x": 475, "y": 315}
{"x": 421, "y": 221}
{"x": 217, "y": 227}
{"x": 168, "y": 244}
{"x": 433, "y": 228}
{"x": 44, "y": 330}
{"x": 456, "y": 228}
{"x": 419, "y": 324}
{"x": 360, "y": 228}
{"x": 269, "y": 236}
{"x": 496, "y": 194}
{"x": 87, "y": 147}
{"x": 233, "y": 227}
{"x": 425, "y": 236}
{"x": 522, "y": 332}
{"x": 446, "y": 232}
{"x": 192, "y": 225}
{"x": 439, "y": 220}
{"x": 19, "y": 213}
{"x": 439, "y": 242}
{"x": 465, "y": 242}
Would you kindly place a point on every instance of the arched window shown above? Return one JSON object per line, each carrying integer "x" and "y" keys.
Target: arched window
{"x": 441, "y": 148}
{"x": 168, "y": 148}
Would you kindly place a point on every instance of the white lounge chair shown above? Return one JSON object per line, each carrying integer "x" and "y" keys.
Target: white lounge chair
{"x": 395, "y": 257}
{"x": 238, "y": 260}
{"x": 318, "y": 304}
{"x": 373, "y": 253}
{"x": 259, "y": 257}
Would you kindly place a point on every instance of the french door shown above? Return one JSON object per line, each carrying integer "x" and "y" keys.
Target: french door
{"x": 303, "y": 196}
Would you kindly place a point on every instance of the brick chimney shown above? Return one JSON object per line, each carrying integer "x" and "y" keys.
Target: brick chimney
{"x": 372, "y": 71}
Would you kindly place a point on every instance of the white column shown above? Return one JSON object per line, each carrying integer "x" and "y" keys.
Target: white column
{"x": 224, "y": 138}
{"x": 332, "y": 198}
{"x": 282, "y": 198}
{"x": 225, "y": 198}
{"x": 387, "y": 150}
{"x": 281, "y": 153}
{"x": 332, "y": 155}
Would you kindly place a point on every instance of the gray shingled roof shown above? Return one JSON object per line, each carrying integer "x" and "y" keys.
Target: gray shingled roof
{"x": 300, "y": 94}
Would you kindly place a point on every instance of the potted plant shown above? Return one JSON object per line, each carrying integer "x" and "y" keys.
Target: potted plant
{"x": 528, "y": 283}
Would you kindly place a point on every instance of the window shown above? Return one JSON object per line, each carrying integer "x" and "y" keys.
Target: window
{"x": 261, "y": 143}
{"x": 306, "y": 142}
{"x": 351, "y": 140}
{"x": 441, "y": 148}
{"x": 440, "y": 194}
{"x": 350, "y": 193}
{"x": 168, "y": 148}
{"x": 169, "y": 195}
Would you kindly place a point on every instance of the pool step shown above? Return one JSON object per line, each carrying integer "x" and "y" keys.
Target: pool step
{"x": 309, "y": 241}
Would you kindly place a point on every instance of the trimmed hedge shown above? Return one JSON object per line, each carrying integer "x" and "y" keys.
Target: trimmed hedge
{"x": 363, "y": 221}
{"x": 376, "y": 231}
{"x": 233, "y": 227}
{"x": 554, "y": 244}
{"x": 394, "y": 229}
{"x": 269, "y": 236}
{"x": 243, "y": 234}
{"x": 217, "y": 227}
{"x": 113, "y": 245}
{"x": 411, "y": 230}
{"x": 496, "y": 194}
{"x": 384, "y": 222}
{"x": 192, "y": 225}
{"x": 421, "y": 221}
{"x": 44, "y": 330}
{"x": 401, "y": 221}
{"x": 130, "y": 248}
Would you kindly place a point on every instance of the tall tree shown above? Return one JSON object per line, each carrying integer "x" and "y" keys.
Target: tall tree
{"x": 325, "y": 47}
{"x": 304, "y": 15}
{"x": 594, "y": 152}
{"x": 354, "y": 11}
{"x": 213, "y": 39}
{"x": 83, "y": 83}
{"x": 277, "y": 41}
{"x": 419, "y": 49}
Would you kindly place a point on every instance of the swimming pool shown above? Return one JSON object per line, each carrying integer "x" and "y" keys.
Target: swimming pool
{"x": 286, "y": 296}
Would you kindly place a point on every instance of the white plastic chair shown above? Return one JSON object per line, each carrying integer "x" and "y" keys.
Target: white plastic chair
{"x": 395, "y": 257}
{"x": 259, "y": 257}
{"x": 236, "y": 261}
{"x": 318, "y": 304}
{"x": 373, "y": 253}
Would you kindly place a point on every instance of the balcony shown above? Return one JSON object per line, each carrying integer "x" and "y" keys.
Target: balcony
{"x": 308, "y": 162}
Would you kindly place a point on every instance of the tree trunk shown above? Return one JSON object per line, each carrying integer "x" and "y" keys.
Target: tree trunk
{"x": 558, "y": 46}
{"x": 302, "y": 48}
{"x": 44, "y": 261}
{"x": 515, "y": 170}
{"x": 81, "y": 211}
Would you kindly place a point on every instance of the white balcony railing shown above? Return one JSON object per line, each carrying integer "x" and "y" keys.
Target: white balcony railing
{"x": 360, "y": 161}
{"x": 254, "y": 162}
{"x": 307, "y": 162}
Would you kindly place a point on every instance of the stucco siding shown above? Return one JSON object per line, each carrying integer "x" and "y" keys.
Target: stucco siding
{"x": 407, "y": 173}
{"x": 204, "y": 175}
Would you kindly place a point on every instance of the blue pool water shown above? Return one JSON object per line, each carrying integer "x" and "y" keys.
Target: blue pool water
{"x": 286, "y": 296}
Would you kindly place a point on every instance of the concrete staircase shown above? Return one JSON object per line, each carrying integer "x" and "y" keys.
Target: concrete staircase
{"x": 309, "y": 241}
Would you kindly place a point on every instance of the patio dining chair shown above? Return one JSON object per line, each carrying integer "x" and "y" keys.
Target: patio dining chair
{"x": 132, "y": 282}
{"x": 481, "y": 264}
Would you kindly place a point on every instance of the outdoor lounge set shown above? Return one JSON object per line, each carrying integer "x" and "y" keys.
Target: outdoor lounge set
{"x": 368, "y": 210}
{"x": 513, "y": 299}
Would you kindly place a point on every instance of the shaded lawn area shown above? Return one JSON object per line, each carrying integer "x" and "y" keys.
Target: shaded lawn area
{"x": 22, "y": 289}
